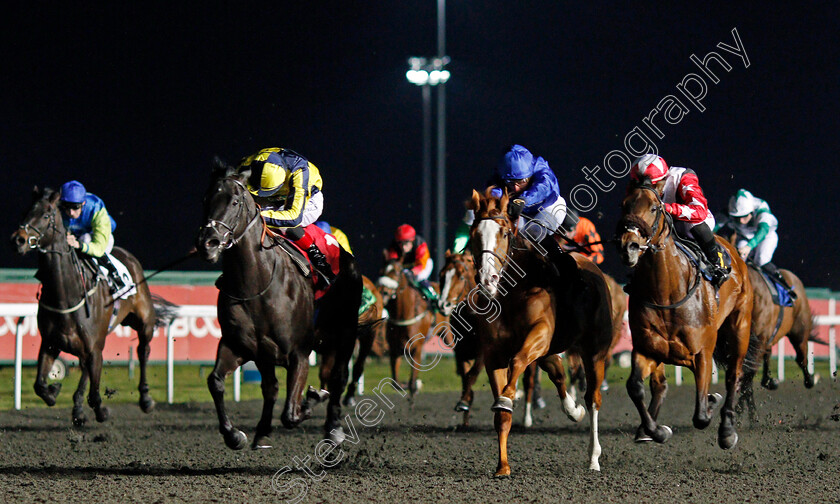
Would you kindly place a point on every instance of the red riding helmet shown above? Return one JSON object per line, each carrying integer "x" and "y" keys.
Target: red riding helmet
{"x": 405, "y": 233}
{"x": 649, "y": 166}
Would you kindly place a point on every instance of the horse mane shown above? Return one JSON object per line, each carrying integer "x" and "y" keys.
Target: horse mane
{"x": 222, "y": 169}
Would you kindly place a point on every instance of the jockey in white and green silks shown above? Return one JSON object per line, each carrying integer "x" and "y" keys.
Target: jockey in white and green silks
{"x": 755, "y": 226}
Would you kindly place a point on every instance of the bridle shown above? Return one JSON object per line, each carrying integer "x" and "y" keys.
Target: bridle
{"x": 34, "y": 235}
{"x": 508, "y": 234}
{"x": 467, "y": 280}
{"x": 229, "y": 237}
{"x": 659, "y": 215}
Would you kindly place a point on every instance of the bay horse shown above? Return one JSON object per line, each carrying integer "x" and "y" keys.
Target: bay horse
{"x": 371, "y": 328}
{"x": 76, "y": 310}
{"x": 677, "y": 318}
{"x": 410, "y": 320}
{"x": 267, "y": 312}
{"x": 531, "y": 318}
{"x": 771, "y": 323}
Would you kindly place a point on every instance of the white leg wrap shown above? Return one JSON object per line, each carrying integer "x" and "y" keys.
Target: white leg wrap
{"x": 572, "y": 410}
{"x": 594, "y": 445}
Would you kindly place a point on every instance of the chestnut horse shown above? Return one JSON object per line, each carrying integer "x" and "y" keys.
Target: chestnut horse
{"x": 76, "y": 310}
{"x": 528, "y": 317}
{"x": 770, "y": 323}
{"x": 677, "y": 318}
{"x": 410, "y": 321}
{"x": 266, "y": 312}
{"x": 618, "y": 309}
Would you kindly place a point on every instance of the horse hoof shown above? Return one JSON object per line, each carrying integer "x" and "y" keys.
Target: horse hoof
{"x": 102, "y": 414}
{"x": 642, "y": 438}
{"x": 771, "y": 384}
{"x": 539, "y": 403}
{"x": 662, "y": 433}
{"x": 261, "y": 443}
{"x": 79, "y": 419}
{"x": 462, "y": 406}
{"x": 714, "y": 400}
{"x": 595, "y": 466}
{"x": 727, "y": 442}
{"x": 502, "y": 472}
{"x": 810, "y": 381}
{"x": 577, "y": 414}
{"x": 236, "y": 440}
{"x": 503, "y": 404}
{"x": 312, "y": 394}
{"x": 349, "y": 401}
{"x": 148, "y": 405}
{"x": 54, "y": 389}
{"x": 337, "y": 435}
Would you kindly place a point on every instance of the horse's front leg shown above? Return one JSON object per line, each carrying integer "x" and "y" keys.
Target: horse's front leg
{"x": 528, "y": 378}
{"x": 535, "y": 346}
{"x": 641, "y": 369}
{"x": 767, "y": 380}
{"x": 46, "y": 358}
{"x": 226, "y": 362}
{"x": 704, "y": 405}
{"x": 553, "y": 366}
{"x": 502, "y": 419}
{"x": 595, "y": 370}
{"x": 270, "y": 389}
{"x": 658, "y": 391}
{"x": 296, "y": 375}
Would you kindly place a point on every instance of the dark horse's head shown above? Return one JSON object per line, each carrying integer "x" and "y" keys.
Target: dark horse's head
{"x": 642, "y": 222}
{"x": 490, "y": 237}
{"x": 456, "y": 280}
{"x": 42, "y": 226}
{"x": 227, "y": 212}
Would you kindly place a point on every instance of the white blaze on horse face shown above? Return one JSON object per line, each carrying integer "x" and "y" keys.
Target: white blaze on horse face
{"x": 445, "y": 305}
{"x": 488, "y": 230}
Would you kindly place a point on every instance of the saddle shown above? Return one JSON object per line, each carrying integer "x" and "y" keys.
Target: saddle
{"x": 698, "y": 258}
{"x": 778, "y": 292}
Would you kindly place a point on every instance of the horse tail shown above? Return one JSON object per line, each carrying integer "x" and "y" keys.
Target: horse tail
{"x": 165, "y": 311}
{"x": 815, "y": 334}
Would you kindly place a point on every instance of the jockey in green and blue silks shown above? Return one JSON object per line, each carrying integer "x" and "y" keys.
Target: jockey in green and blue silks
{"x": 86, "y": 220}
{"x": 533, "y": 182}
{"x": 89, "y": 228}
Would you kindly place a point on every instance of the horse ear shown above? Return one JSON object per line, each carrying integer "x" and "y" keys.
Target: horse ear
{"x": 503, "y": 203}
{"x": 52, "y": 195}
{"x": 474, "y": 202}
{"x": 448, "y": 253}
{"x": 385, "y": 254}
{"x": 221, "y": 168}
{"x": 36, "y": 193}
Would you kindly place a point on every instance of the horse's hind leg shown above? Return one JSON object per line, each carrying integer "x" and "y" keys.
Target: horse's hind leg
{"x": 46, "y": 358}
{"x": 747, "y": 396}
{"x": 226, "y": 362}
{"x": 270, "y": 388}
{"x": 798, "y": 338}
{"x": 467, "y": 384}
{"x": 296, "y": 375}
{"x": 595, "y": 370}
{"x": 737, "y": 330}
{"x": 365, "y": 344}
{"x": 528, "y": 383}
{"x": 79, "y": 417}
{"x": 94, "y": 364}
{"x": 658, "y": 391}
{"x": 553, "y": 366}
{"x": 641, "y": 369}
{"x": 147, "y": 404}
{"x": 704, "y": 404}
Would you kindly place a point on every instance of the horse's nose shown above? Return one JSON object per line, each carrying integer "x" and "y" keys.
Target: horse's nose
{"x": 18, "y": 240}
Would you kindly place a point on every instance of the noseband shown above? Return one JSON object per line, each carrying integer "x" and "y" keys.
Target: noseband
{"x": 34, "y": 235}
{"x": 659, "y": 212}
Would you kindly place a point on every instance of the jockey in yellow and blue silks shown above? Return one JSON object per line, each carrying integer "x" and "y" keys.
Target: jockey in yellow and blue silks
{"x": 288, "y": 188}
{"x": 89, "y": 227}
{"x": 340, "y": 237}
{"x": 532, "y": 185}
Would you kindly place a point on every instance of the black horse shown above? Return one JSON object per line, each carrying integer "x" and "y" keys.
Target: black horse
{"x": 267, "y": 312}
{"x": 76, "y": 310}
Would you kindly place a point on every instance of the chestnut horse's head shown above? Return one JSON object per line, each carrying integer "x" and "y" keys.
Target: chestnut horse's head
{"x": 490, "y": 237}
{"x": 456, "y": 280}
{"x": 643, "y": 220}
{"x": 42, "y": 226}
{"x": 228, "y": 209}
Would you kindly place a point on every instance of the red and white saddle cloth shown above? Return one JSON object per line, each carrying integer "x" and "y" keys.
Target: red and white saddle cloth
{"x": 329, "y": 246}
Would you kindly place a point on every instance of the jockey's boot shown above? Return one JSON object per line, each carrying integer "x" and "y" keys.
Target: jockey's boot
{"x": 775, "y": 273}
{"x": 556, "y": 258}
{"x": 117, "y": 283}
{"x": 706, "y": 239}
{"x": 319, "y": 260}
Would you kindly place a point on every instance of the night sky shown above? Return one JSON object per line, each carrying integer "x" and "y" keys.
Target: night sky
{"x": 135, "y": 101}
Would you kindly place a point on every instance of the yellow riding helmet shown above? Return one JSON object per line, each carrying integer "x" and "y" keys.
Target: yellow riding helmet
{"x": 266, "y": 179}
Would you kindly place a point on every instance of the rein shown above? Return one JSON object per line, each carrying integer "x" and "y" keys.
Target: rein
{"x": 413, "y": 320}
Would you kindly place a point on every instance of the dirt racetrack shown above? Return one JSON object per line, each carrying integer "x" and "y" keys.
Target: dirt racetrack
{"x": 416, "y": 454}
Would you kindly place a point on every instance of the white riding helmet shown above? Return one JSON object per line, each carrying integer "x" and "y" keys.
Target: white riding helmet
{"x": 742, "y": 204}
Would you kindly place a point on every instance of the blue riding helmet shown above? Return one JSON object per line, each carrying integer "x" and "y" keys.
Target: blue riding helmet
{"x": 324, "y": 225}
{"x": 73, "y": 192}
{"x": 517, "y": 163}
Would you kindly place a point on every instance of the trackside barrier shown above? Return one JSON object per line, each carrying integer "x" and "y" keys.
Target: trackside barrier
{"x": 22, "y": 311}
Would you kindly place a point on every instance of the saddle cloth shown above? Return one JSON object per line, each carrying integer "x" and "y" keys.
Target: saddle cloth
{"x": 129, "y": 288}
{"x": 325, "y": 242}
{"x": 780, "y": 295}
